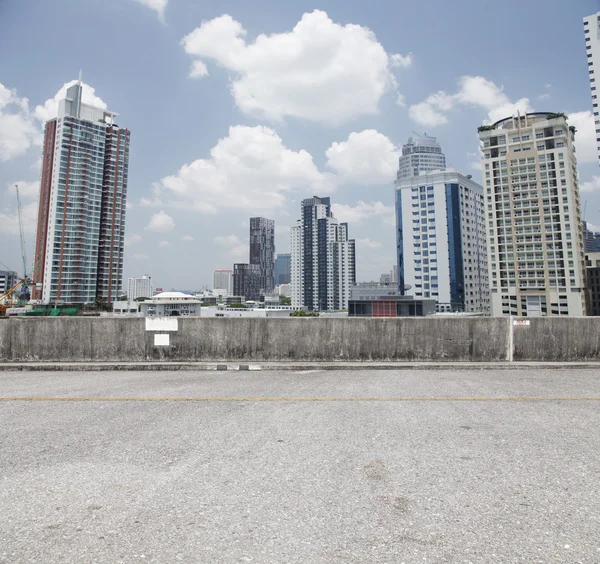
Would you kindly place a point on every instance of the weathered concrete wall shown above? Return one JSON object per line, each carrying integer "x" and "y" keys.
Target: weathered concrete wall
{"x": 326, "y": 339}
{"x": 558, "y": 338}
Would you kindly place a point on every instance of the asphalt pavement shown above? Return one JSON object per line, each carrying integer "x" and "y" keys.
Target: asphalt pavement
{"x": 300, "y": 467}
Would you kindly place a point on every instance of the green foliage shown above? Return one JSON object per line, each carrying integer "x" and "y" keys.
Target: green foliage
{"x": 300, "y": 313}
{"x": 141, "y": 299}
{"x": 556, "y": 115}
{"x": 572, "y": 129}
{"x": 238, "y": 306}
{"x": 285, "y": 300}
{"x": 485, "y": 128}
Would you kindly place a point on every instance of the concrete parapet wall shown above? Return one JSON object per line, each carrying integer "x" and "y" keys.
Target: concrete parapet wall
{"x": 476, "y": 339}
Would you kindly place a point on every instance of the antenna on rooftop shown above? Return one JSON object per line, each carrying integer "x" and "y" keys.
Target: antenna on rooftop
{"x": 80, "y": 76}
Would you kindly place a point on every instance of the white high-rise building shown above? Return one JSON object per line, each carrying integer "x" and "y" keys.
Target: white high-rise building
{"x": 83, "y": 193}
{"x": 422, "y": 154}
{"x": 139, "y": 288}
{"x": 535, "y": 236}
{"x": 441, "y": 241}
{"x": 323, "y": 258}
{"x": 591, "y": 28}
{"x": 223, "y": 280}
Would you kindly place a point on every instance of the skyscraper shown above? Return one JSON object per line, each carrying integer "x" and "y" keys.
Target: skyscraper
{"x": 422, "y": 154}
{"x": 441, "y": 240}
{"x": 223, "y": 280}
{"x": 591, "y": 29}
{"x": 139, "y": 288}
{"x": 262, "y": 251}
{"x": 81, "y": 218}
{"x": 323, "y": 258}
{"x": 535, "y": 235}
{"x": 283, "y": 268}
{"x": 246, "y": 281}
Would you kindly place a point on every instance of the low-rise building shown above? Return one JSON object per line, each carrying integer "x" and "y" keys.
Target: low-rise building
{"x": 370, "y": 299}
{"x": 168, "y": 304}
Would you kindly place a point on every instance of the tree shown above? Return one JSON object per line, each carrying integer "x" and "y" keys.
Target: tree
{"x": 285, "y": 300}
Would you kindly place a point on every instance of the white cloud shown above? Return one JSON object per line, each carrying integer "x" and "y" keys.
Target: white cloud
{"x": 132, "y": 239}
{"x": 27, "y": 190}
{"x": 159, "y": 6}
{"x": 592, "y": 185}
{"x": 160, "y": 222}
{"x": 424, "y": 114}
{"x": 164, "y": 244}
{"x": 187, "y": 238}
{"x": 250, "y": 169}
{"x": 585, "y": 136}
{"x": 198, "y": 69}
{"x": 320, "y": 71}
{"x": 473, "y": 91}
{"x": 544, "y": 96}
{"x": 400, "y": 61}
{"x": 49, "y": 109}
{"x": 368, "y": 243}
{"x": 368, "y": 157}
{"x": 355, "y": 215}
{"x": 9, "y": 221}
{"x": 140, "y": 256}
{"x": 233, "y": 247}
{"x": 18, "y": 130}
{"x": 400, "y": 100}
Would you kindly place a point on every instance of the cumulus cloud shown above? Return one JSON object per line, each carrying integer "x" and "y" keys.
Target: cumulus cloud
{"x": 363, "y": 211}
{"x": 49, "y": 109}
{"x": 18, "y": 130}
{"x": 160, "y": 222}
{"x": 585, "y": 137}
{"x": 400, "y": 61}
{"x": 474, "y": 91}
{"x": 368, "y": 157}
{"x": 132, "y": 239}
{"x": 250, "y": 169}
{"x": 159, "y": 6}
{"x": 164, "y": 244}
{"x": 424, "y": 114}
{"x": 320, "y": 71}
{"x": 592, "y": 185}
{"x": 198, "y": 70}
{"x": 187, "y": 238}
{"x": 233, "y": 247}
{"x": 27, "y": 190}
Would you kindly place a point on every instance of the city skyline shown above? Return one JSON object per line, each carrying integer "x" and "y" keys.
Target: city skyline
{"x": 350, "y": 151}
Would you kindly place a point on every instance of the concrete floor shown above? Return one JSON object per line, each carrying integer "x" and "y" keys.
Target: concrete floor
{"x": 371, "y": 466}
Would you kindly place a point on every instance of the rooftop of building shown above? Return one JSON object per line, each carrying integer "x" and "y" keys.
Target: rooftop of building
{"x": 433, "y": 176}
{"x": 521, "y": 120}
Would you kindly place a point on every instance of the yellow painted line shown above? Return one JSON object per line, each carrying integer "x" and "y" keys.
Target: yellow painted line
{"x": 296, "y": 399}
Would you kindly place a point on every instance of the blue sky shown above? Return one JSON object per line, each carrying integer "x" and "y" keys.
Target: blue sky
{"x": 265, "y": 103}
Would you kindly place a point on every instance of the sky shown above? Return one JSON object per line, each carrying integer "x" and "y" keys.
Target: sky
{"x": 243, "y": 108}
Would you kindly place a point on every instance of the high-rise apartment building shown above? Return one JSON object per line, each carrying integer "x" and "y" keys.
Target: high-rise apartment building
{"x": 246, "y": 281}
{"x": 223, "y": 280}
{"x": 441, "y": 241}
{"x": 535, "y": 236}
{"x": 421, "y": 154}
{"x": 591, "y": 240}
{"x": 283, "y": 268}
{"x": 139, "y": 288}
{"x": 81, "y": 218}
{"x": 591, "y": 29}
{"x": 262, "y": 251}
{"x": 323, "y": 258}
{"x": 8, "y": 278}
